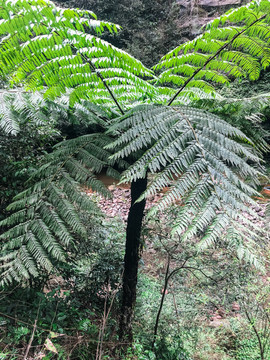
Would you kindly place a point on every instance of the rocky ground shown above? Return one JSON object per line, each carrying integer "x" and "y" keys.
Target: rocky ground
{"x": 119, "y": 204}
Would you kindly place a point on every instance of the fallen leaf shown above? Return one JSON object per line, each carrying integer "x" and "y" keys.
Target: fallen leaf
{"x": 49, "y": 346}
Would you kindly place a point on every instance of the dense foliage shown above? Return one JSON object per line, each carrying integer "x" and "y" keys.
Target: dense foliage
{"x": 129, "y": 129}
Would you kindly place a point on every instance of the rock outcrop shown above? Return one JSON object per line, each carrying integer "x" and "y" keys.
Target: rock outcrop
{"x": 151, "y": 28}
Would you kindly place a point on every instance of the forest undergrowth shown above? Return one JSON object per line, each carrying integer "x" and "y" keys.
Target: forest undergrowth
{"x": 209, "y": 313}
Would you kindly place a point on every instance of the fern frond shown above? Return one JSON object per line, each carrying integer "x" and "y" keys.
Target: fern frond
{"x": 203, "y": 159}
{"x": 45, "y": 47}
{"x": 233, "y": 45}
{"x": 45, "y": 222}
{"x": 8, "y": 122}
{"x": 244, "y": 113}
{"x": 18, "y": 108}
{"x": 267, "y": 210}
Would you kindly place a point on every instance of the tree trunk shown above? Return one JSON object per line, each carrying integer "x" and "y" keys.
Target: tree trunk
{"x": 133, "y": 233}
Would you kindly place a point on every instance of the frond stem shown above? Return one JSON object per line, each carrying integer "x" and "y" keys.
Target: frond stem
{"x": 104, "y": 83}
{"x": 92, "y": 66}
{"x": 212, "y": 57}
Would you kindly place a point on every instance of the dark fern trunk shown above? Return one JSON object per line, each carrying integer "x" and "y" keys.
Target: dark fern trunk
{"x": 132, "y": 253}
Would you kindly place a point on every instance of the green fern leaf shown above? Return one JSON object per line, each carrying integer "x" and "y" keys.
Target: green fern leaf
{"x": 196, "y": 154}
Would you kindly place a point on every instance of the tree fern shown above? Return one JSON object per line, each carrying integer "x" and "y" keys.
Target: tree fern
{"x": 203, "y": 159}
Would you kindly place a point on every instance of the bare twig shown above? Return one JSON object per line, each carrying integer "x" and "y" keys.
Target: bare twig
{"x": 201, "y": 271}
{"x": 32, "y": 335}
{"x": 251, "y": 322}
{"x": 162, "y": 300}
{"x": 102, "y": 330}
{"x": 106, "y": 314}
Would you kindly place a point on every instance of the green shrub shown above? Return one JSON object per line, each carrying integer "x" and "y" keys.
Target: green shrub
{"x": 248, "y": 349}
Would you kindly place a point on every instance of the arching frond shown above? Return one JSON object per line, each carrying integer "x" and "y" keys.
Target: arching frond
{"x": 18, "y": 108}
{"x": 247, "y": 114}
{"x": 203, "y": 159}
{"x": 238, "y": 41}
{"x": 267, "y": 211}
{"x": 45, "y": 47}
{"x": 8, "y": 121}
{"x": 44, "y": 220}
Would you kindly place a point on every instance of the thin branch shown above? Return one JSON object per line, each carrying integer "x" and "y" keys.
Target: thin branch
{"x": 212, "y": 57}
{"x": 31, "y": 340}
{"x": 179, "y": 268}
{"x": 162, "y": 300}
{"x": 32, "y": 335}
{"x": 106, "y": 314}
{"x": 256, "y": 333}
{"x": 202, "y": 272}
{"x": 167, "y": 278}
{"x": 102, "y": 329}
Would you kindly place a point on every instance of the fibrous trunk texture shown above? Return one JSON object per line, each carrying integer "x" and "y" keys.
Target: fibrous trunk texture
{"x": 133, "y": 233}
